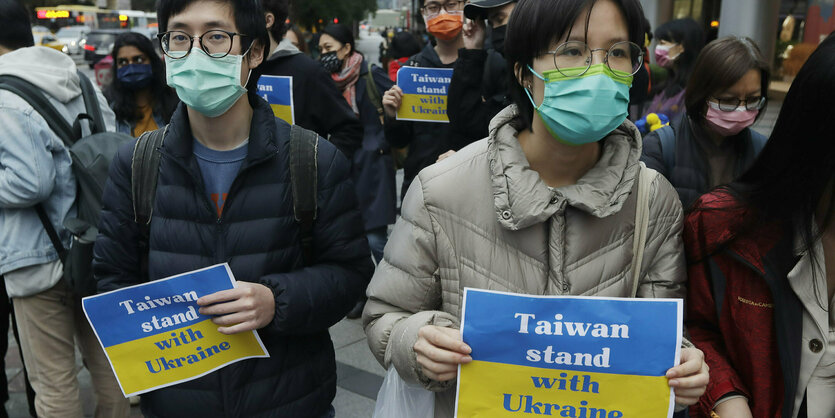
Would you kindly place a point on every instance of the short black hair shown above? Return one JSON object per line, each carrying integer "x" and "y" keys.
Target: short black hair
{"x": 248, "y": 14}
{"x": 15, "y": 28}
{"x": 535, "y": 25}
{"x": 719, "y": 66}
{"x": 280, "y": 9}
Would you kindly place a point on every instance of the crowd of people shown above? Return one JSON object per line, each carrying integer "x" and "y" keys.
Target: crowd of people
{"x": 530, "y": 188}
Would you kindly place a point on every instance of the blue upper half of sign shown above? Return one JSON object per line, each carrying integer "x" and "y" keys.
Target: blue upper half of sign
{"x": 640, "y": 335}
{"x": 158, "y": 307}
{"x": 277, "y": 90}
{"x": 427, "y": 81}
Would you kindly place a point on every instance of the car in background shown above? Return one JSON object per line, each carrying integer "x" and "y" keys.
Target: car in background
{"x": 48, "y": 40}
{"x": 71, "y": 36}
{"x": 98, "y": 44}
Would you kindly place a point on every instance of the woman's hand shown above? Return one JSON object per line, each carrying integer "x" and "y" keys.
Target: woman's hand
{"x": 734, "y": 408}
{"x": 247, "y": 307}
{"x": 439, "y": 351}
{"x": 392, "y": 100}
{"x": 689, "y": 379}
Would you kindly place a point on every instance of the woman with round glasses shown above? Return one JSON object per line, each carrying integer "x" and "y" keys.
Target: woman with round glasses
{"x": 713, "y": 143}
{"x": 546, "y": 205}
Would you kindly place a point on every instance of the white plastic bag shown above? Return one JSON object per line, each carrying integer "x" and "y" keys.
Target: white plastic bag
{"x": 399, "y": 399}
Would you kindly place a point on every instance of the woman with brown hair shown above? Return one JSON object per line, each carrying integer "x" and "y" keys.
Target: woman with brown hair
{"x": 713, "y": 143}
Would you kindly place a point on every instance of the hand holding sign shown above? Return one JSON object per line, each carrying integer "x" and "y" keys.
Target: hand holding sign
{"x": 690, "y": 378}
{"x": 247, "y": 307}
{"x": 439, "y": 351}
{"x": 392, "y": 100}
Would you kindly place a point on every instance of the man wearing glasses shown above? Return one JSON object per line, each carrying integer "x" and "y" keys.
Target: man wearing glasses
{"x": 223, "y": 194}
{"x": 444, "y": 20}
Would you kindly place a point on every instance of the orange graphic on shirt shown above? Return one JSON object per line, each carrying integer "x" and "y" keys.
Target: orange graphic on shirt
{"x": 219, "y": 203}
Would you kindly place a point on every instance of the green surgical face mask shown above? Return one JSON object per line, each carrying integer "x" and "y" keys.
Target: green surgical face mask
{"x": 208, "y": 85}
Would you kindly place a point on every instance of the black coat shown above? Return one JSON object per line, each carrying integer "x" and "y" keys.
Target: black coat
{"x": 317, "y": 103}
{"x": 478, "y": 92}
{"x": 426, "y": 140}
{"x": 690, "y": 173}
{"x": 258, "y": 237}
{"x": 373, "y": 168}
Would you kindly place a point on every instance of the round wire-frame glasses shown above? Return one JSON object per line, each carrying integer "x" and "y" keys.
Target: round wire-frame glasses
{"x": 574, "y": 58}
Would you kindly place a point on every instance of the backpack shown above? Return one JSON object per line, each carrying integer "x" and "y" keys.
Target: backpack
{"x": 374, "y": 93}
{"x": 303, "y": 180}
{"x": 91, "y": 156}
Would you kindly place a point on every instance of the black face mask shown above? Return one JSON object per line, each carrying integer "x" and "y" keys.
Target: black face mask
{"x": 331, "y": 62}
{"x": 498, "y": 38}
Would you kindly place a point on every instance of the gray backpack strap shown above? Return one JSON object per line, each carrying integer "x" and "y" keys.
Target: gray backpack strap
{"x": 303, "y": 179}
{"x": 91, "y": 103}
{"x": 144, "y": 170}
{"x": 668, "y": 147}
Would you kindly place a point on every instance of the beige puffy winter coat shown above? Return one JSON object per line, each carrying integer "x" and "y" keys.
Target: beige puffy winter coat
{"x": 484, "y": 219}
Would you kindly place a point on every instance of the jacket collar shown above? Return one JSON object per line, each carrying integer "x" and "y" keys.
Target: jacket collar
{"x": 522, "y": 199}
{"x": 262, "y": 133}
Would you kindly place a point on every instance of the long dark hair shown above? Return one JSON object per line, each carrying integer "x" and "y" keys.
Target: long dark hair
{"x": 795, "y": 173}
{"x": 689, "y": 34}
{"x": 535, "y": 25}
{"x": 123, "y": 99}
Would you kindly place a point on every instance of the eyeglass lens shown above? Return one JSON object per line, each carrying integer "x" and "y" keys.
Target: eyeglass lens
{"x": 574, "y": 58}
{"x": 434, "y": 8}
{"x": 178, "y": 44}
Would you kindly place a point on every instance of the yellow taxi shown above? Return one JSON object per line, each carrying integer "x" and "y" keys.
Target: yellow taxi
{"x": 49, "y": 40}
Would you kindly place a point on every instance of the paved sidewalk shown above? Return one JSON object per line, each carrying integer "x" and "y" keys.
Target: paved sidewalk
{"x": 358, "y": 376}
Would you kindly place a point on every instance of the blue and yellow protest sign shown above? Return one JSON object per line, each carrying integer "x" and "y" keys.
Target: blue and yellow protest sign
{"x": 425, "y": 92}
{"x": 581, "y": 357}
{"x": 154, "y": 337}
{"x": 278, "y": 92}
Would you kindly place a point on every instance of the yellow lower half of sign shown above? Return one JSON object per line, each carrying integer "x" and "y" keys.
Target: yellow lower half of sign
{"x": 423, "y": 107}
{"x": 283, "y": 112}
{"x": 504, "y": 390}
{"x": 164, "y": 358}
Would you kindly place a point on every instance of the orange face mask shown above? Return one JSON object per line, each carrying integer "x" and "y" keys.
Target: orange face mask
{"x": 445, "y": 26}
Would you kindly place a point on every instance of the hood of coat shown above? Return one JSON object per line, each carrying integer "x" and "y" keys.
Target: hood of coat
{"x": 285, "y": 48}
{"x": 54, "y": 72}
{"x": 522, "y": 199}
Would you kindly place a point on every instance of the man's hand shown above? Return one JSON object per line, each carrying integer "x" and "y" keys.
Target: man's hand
{"x": 392, "y": 100}
{"x": 247, "y": 307}
{"x": 474, "y": 33}
{"x": 439, "y": 351}
{"x": 689, "y": 379}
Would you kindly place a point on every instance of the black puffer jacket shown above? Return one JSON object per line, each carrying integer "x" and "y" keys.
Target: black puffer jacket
{"x": 259, "y": 239}
{"x": 689, "y": 174}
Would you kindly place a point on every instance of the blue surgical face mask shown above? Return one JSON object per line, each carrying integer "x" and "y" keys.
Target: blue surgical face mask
{"x": 208, "y": 85}
{"x": 581, "y": 110}
{"x": 135, "y": 76}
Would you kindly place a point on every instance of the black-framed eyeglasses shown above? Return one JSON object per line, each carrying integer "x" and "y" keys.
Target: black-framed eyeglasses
{"x": 750, "y": 103}
{"x": 216, "y": 43}
{"x": 574, "y": 58}
{"x": 434, "y": 8}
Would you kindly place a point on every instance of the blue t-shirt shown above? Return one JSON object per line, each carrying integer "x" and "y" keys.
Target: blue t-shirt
{"x": 219, "y": 169}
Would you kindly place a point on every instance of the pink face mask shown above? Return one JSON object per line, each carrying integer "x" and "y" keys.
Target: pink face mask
{"x": 729, "y": 123}
{"x": 662, "y": 56}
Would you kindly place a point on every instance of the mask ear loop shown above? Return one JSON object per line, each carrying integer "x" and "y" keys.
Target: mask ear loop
{"x": 527, "y": 89}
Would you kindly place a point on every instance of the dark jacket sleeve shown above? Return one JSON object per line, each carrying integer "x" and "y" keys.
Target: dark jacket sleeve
{"x": 333, "y": 115}
{"x": 116, "y": 254}
{"x": 652, "y": 155}
{"x": 469, "y": 112}
{"x": 398, "y": 133}
{"x": 314, "y": 298}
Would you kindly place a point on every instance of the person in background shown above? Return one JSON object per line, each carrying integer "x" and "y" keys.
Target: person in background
{"x": 444, "y": 20}
{"x": 678, "y": 44}
{"x": 317, "y": 104}
{"x": 138, "y": 94}
{"x": 373, "y": 165}
{"x": 36, "y": 176}
{"x": 403, "y": 46}
{"x": 761, "y": 295}
{"x": 713, "y": 143}
{"x": 479, "y": 83}
{"x": 545, "y": 205}
{"x": 296, "y": 37}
